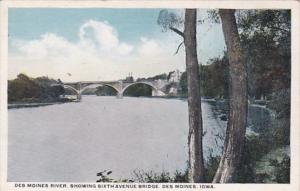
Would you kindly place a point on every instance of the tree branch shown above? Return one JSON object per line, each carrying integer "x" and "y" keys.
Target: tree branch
{"x": 177, "y": 31}
{"x": 178, "y": 48}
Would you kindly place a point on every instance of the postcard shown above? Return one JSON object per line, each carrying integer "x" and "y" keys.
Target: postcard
{"x": 150, "y": 95}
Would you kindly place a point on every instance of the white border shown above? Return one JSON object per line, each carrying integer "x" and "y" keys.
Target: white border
{"x": 295, "y": 75}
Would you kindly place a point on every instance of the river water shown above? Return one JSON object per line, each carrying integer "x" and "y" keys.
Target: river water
{"x": 72, "y": 142}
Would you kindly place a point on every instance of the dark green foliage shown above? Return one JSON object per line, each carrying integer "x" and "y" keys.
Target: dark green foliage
{"x": 266, "y": 42}
{"x": 281, "y": 131}
{"x": 147, "y": 177}
{"x": 272, "y": 135}
{"x": 214, "y": 78}
{"x": 163, "y": 177}
{"x": 282, "y": 172}
{"x": 260, "y": 119}
{"x": 211, "y": 168}
{"x": 104, "y": 176}
{"x": 255, "y": 148}
{"x": 23, "y": 88}
{"x": 181, "y": 177}
{"x": 138, "y": 90}
{"x": 183, "y": 85}
{"x": 26, "y": 89}
{"x": 265, "y": 141}
{"x": 105, "y": 91}
{"x": 265, "y": 36}
{"x": 151, "y": 177}
{"x": 48, "y": 92}
{"x": 280, "y": 104}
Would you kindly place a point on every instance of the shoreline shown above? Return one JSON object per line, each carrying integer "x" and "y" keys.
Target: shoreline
{"x": 28, "y": 105}
{"x": 40, "y": 104}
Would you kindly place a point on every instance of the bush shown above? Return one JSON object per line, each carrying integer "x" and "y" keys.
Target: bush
{"x": 282, "y": 170}
{"x": 211, "y": 168}
{"x": 26, "y": 89}
{"x": 163, "y": 177}
{"x": 255, "y": 148}
{"x": 280, "y": 104}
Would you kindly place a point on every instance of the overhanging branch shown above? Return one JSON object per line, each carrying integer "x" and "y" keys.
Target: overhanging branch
{"x": 178, "y": 48}
{"x": 177, "y": 31}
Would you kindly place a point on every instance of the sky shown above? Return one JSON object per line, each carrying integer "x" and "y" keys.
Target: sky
{"x": 100, "y": 44}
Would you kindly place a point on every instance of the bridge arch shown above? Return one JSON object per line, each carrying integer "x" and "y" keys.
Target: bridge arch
{"x": 146, "y": 83}
{"x": 72, "y": 88}
{"x": 99, "y": 85}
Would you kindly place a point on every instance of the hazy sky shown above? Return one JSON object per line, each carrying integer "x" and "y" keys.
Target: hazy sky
{"x": 100, "y": 44}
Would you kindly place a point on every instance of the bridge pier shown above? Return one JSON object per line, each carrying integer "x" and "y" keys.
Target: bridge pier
{"x": 79, "y": 97}
{"x": 119, "y": 95}
{"x": 154, "y": 92}
{"x": 157, "y": 92}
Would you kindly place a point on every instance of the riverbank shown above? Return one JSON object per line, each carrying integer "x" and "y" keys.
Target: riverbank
{"x": 25, "y": 105}
{"x": 19, "y": 105}
{"x": 266, "y": 158}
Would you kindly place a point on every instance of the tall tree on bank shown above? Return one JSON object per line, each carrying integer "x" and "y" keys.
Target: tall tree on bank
{"x": 196, "y": 163}
{"x": 236, "y": 128}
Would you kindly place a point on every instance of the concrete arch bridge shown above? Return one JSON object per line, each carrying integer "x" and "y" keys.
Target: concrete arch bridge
{"x": 158, "y": 86}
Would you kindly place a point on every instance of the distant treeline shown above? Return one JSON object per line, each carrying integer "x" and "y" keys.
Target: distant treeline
{"x": 27, "y": 89}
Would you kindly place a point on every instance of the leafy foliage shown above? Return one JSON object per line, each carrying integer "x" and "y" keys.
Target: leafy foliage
{"x": 255, "y": 148}
{"x": 104, "y": 176}
{"x": 266, "y": 40}
{"x": 146, "y": 177}
{"x": 213, "y": 77}
{"x": 281, "y": 104}
{"x": 211, "y": 168}
{"x": 183, "y": 85}
{"x": 167, "y": 20}
{"x": 152, "y": 177}
{"x": 26, "y": 89}
{"x": 282, "y": 172}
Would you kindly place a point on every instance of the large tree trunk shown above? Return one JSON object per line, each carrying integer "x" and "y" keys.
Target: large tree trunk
{"x": 236, "y": 128}
{"x": 196, "y": 167}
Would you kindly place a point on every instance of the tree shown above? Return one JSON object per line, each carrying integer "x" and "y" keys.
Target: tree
{"x": 214, "y": 78}
{"x": 266, "y": 41}
{"x": 236, "y": 128}
{"x": 40, "y": 89}
{"x": 23, "y": 87}
{"x": 170, "y": 21}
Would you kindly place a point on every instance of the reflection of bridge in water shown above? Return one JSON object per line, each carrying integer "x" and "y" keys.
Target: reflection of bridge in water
{"x": 158, "y": 86}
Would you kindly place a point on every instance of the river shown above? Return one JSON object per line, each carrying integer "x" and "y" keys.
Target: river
{"x": 72, "y": 142}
